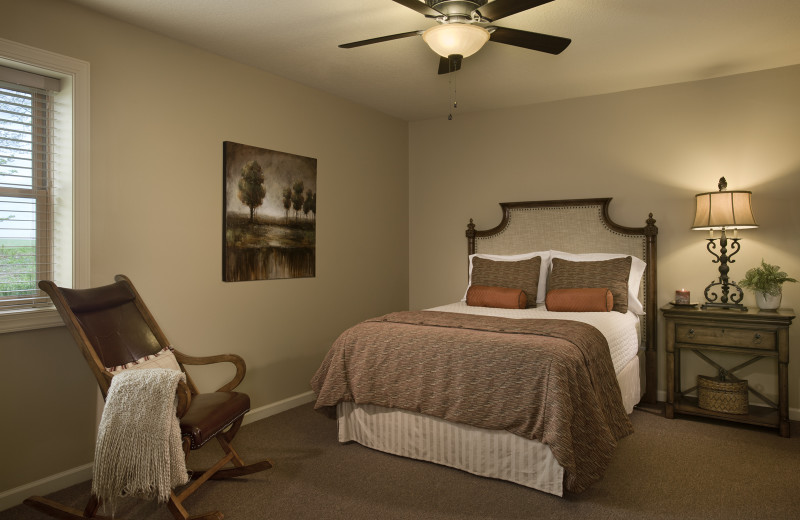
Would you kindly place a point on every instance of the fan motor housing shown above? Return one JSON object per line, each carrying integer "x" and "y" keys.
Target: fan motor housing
{"x": 455, "y": 7}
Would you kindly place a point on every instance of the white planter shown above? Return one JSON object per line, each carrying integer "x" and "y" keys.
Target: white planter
{"x": 767, "y": 302}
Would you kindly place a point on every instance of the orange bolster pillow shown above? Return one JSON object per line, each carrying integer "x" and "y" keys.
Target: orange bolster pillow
{"x": 579, "y": 300}
{"x": 498, "y": 297}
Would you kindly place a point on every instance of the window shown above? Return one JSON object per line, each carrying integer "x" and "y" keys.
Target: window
{"x": 43, "y": 181}
{"x": 27, "y": 174}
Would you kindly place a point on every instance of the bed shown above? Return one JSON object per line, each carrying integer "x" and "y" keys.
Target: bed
{"x": 529, "y": 395}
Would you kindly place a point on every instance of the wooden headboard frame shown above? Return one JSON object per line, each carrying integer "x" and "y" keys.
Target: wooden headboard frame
{"x": 578, "y": 226}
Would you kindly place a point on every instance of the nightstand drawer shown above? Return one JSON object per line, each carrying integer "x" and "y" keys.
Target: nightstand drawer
{"x": 726, "y": 336}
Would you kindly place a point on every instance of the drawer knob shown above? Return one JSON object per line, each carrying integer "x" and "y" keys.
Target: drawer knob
{"x": 691, "y": 332}
{"x": 757, "y": 338}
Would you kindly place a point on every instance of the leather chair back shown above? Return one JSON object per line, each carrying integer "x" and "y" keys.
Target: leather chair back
{"x": 113, "y": 323}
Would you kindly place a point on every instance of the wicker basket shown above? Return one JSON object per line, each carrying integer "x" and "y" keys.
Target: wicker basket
{"x": 722, "y": 396}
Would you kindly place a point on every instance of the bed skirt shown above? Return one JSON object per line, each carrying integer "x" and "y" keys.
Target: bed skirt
{"x": 488, "y": 453}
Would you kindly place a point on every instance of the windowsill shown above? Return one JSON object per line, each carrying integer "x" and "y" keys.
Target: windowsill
{"x": 29, "y": 319}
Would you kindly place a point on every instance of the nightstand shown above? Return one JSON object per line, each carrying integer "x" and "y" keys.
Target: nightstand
{"x": 753, "y": 333}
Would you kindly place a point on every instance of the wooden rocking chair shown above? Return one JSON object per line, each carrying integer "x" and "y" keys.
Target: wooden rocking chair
{"x": 113, "y": 327}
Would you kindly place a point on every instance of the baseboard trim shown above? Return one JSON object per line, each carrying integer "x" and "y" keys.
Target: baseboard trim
{"x": 14, "y": 497}
{"x": 269, "y": 410}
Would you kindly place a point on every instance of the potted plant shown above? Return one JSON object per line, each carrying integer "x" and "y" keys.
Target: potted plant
{"x": 766, "y": 282}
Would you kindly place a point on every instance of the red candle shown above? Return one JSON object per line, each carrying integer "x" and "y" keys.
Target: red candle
{"x": 682, "y": 297}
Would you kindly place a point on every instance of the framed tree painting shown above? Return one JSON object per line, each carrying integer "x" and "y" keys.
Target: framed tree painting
{"x": 269, "y": 214}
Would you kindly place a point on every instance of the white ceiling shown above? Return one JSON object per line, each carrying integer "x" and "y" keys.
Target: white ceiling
{"x": 616, "y": 45}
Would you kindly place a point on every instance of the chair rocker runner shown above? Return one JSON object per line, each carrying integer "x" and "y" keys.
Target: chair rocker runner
{"x": 113, "y": 327}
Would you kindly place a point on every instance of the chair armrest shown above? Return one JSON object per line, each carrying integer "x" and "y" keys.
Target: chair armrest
{"x": 237, "y": 361}
{"x": 184, "y": 396}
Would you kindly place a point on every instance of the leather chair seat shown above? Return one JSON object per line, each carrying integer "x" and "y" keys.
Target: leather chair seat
{"x": 210, "y": 413}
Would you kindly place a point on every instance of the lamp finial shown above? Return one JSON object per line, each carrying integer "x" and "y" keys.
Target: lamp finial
{"x": 723, "y": 184}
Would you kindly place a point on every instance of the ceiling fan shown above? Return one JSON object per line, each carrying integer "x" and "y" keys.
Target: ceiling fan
{"x": 462, "y": 29}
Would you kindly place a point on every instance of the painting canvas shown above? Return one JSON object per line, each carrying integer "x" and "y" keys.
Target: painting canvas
{"x": 270, "y": 214}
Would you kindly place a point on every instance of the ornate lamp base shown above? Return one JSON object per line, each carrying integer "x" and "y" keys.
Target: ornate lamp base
{"x": 726, "y": 300}
{"x": 720, "y": 305}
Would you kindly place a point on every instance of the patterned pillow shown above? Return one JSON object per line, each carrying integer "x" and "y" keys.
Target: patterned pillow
{"x": 580, "y": 300}
{"x": 164, "y": 358}
{"x": 544, "y": 269}
{"x": 638, "y": 267}
{"x": 610, "y": 274}
{"x": 523, "y": 274}
{"x": 497, "y": 297}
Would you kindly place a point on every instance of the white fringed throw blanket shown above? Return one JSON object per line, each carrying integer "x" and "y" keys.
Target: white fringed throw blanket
{"x": 138, "y": 451}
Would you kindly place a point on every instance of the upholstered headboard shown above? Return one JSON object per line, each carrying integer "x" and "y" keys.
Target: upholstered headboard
{"x": 578, "y": 226}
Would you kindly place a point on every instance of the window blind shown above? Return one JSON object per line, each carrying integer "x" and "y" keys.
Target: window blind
{"x": 30, "y": 123}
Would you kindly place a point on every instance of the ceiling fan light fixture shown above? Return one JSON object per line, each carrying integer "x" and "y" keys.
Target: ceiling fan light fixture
{"x": 455, "y": 38}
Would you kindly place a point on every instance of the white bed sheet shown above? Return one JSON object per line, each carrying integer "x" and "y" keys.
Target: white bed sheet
{"x": 620, "y": 330}
{"x": 491, "y": 453}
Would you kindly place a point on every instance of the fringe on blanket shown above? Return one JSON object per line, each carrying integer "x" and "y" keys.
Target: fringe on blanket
{"x": 138, "y": 451}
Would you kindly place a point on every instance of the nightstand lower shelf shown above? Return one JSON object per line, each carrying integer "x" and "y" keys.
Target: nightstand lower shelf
{"x": 757, "y": 415}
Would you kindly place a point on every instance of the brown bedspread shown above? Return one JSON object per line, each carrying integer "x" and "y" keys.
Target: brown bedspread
{"x": 549, "y": 380}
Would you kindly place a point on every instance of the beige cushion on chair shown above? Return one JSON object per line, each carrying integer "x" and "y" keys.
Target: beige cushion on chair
{"x": 161, "y": 359}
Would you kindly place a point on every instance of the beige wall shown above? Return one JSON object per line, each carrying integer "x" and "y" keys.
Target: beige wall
{"x": 651, "y": 150}
{"x": 160, "y": 111}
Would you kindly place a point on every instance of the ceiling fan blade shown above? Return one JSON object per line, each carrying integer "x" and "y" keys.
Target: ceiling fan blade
{"x": 420, "y": 7}
{"x": 502, "y": 8}
{"x": 380, "y": 39}
{"x": 450, "y": 64}
{"x": 530, "y": 40}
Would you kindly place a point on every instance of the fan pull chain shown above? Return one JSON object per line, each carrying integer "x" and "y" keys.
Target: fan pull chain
{"x": 453, "y": 94}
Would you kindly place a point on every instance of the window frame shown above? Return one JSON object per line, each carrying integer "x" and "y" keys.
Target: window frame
{"x": 76, "y": 74}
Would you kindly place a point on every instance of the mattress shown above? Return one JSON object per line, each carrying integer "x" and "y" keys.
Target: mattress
{"x": 490, "y": 453}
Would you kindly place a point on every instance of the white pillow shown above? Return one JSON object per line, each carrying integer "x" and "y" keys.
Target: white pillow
{"x": 161, "y": 359}
{"x": 634, "y": 279}
{"x": 541, "y": 291}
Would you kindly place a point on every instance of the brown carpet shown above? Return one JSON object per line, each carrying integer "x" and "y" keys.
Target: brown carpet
{"x": 668, "y": 469}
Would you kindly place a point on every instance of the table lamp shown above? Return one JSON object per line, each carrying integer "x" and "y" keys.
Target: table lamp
{"x": 723, "y": 210}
